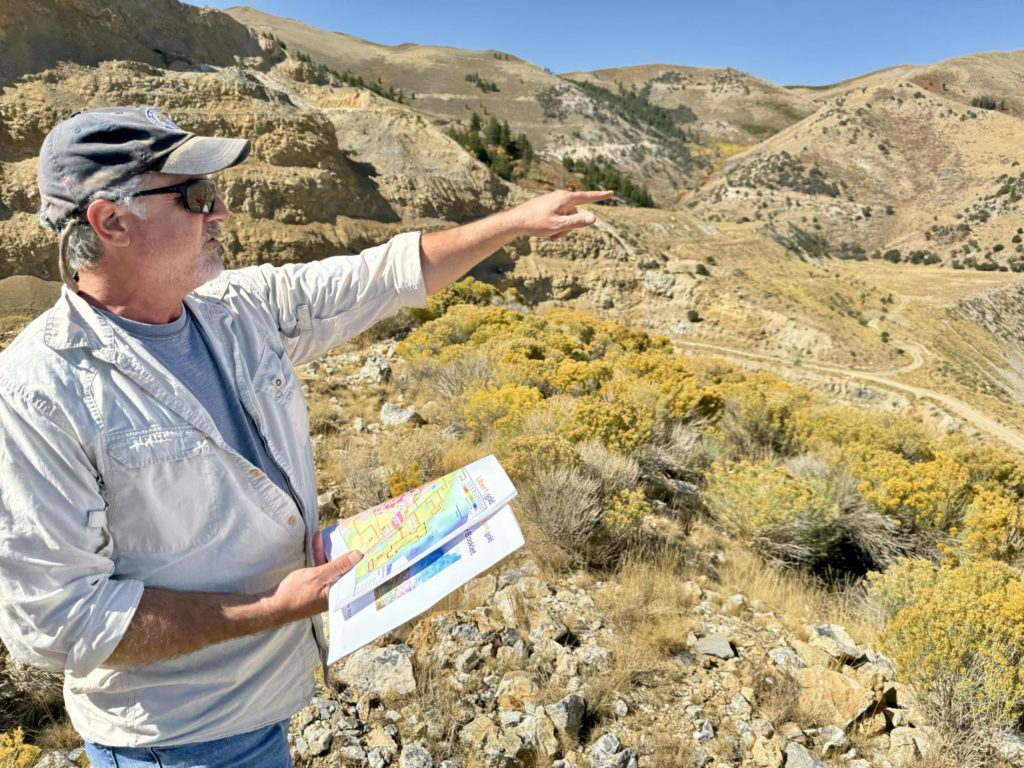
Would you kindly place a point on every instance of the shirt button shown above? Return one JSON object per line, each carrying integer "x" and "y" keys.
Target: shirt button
{"x": 278, "y": 382}
{"x": 292, "y": 520}
{"x": 255, "y": 473}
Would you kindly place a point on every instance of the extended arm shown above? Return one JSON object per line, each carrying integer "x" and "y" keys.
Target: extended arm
{"x": 169, "y": 623}
{"x": 449, "y": 254}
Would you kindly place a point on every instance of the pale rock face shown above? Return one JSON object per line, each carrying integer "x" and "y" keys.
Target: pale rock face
{"x": 835, "y": 696}
{"x": 379, "y": 671}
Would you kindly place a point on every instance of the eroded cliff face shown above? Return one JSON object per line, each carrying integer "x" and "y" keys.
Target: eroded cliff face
{"x": 332, "y": 168}
{"x": 36, "y": 34}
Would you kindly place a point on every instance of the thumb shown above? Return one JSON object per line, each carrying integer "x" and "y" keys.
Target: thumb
{"x": 581, "y": 219}
{"x": 345, "y": 563}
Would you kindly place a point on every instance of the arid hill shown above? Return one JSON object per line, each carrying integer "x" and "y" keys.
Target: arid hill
{"x": 723, "y": 105}
{"x": 35, "y": 35}
{"x": 450, "y": 84}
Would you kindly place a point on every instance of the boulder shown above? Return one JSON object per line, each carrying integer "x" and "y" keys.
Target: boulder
{"x": 380, "y": 671}
{"x": 415, "y": 755}
{"x": 836, "y": 642}
{"x": 568, "y": 714}
{"x": 517, "y": 689}
{"x": 799, "y": 757}
{"x": 716, "y": 644}
{"x": 832, "y": 696}
{"x": 392, "y": 415}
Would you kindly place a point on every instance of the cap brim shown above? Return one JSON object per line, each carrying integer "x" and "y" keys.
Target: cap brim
{"x": 206, "y": 154}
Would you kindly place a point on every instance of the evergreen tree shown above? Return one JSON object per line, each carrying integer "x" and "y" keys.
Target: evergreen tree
{"x": 492, "y": 131}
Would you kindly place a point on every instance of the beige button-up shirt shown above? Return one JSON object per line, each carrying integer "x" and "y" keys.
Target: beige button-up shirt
{"x": 113, "y": 478}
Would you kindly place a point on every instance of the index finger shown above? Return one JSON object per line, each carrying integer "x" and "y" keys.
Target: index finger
{"x": 580, "y": 198}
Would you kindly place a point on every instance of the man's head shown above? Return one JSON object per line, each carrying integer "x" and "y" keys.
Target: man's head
{"x": 112, "y": 154}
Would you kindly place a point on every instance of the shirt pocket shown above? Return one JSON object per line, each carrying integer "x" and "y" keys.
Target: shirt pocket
{"x": 277, "y": 390}
{"x": 161, "y": 489}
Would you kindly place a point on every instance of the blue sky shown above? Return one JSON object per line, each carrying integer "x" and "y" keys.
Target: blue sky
{"x": 787, "y": 42}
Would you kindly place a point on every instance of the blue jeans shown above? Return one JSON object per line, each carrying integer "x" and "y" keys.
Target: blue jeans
{"x": 265, "y": 748}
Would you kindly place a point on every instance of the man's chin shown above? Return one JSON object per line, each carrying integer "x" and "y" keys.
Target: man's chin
{"x": 210, "y": 267}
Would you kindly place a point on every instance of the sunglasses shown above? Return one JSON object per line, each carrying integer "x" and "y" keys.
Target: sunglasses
{"x": 197, "y": 195}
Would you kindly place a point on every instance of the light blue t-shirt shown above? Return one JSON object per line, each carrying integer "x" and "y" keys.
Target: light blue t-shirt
{"x": 182, "y": 348}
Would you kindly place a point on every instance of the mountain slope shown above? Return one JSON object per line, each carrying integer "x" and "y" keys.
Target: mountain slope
{"x": 886, "y": 164}
{"x": 35, "y": 35}
{"x": 719, "y": 104}
{"x": 559, "y": 118}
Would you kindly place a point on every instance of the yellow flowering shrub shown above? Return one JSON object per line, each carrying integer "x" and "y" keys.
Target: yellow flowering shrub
{"x": 682, "y": 394}
{"x": 985, "y": 463}
{"x": 463, "y": 324}
{"x": 522, "y": 455}
{"x": 993, "y": 526}
{"x": 782, "y": 516}
{"x": 405, "y": 477}
{"x": 923, "y": 495}
{"x": 967, "y": 631}
{"x": 619, "y": 424}
{"x": 625, "y": 511}
{"x": 900, "y": 584}
{"x": 500, "y": 409}
{"x": 758, "y": 413}
{"x": 467, "y": 291}
{"x": 14, "y": 752}
{"x": 844, "y": 432}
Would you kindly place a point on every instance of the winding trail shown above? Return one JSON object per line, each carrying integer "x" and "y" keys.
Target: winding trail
{"x": 968, "y": 413}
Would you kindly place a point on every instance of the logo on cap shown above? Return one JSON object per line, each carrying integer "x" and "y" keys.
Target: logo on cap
{"x": 160, "y": 120}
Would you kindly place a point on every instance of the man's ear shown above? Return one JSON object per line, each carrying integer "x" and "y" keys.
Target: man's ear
{"x": 110, "y": 223}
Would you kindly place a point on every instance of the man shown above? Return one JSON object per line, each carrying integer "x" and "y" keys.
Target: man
{"x": 158, "y": 523}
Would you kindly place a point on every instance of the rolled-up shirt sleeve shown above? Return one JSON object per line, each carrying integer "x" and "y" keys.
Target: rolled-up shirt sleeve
{"x": 319, "y": 304}
{"x": 61, "y": 608}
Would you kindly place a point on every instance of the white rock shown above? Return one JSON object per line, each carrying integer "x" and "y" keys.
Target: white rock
{"x": 798, "y": 757}
{"x": 380, "y": 671}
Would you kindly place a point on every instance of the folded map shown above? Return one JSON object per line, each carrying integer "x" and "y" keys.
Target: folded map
{"x": 417, "y": 548}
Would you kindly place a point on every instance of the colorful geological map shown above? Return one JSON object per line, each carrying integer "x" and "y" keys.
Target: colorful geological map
{"x": 400, "y": 531}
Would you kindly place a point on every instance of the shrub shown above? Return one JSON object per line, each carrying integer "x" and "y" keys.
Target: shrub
{"x": 970, "y": 619}
{"x": 758, "y": 414}
{"x": 466, "y": 291}
{"x": 619, "y": 425}
{"x": 844, "y": 433}
{"x": 625, "y": 511}
{"x": 928, "y": 495}
{"x": 525, "y": 455}
{"x": 568, "y": 517}
{"x": 785, "y": 518}
{"x": 500, "y": 409}
{"x": 405, "y": 477}
{"x": 899, "y": 585}
{"x": 993, "y": 527}
{"x": 14, "y": 752}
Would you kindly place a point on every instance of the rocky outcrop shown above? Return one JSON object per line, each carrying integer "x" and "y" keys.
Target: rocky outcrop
{"x": 34, "y": 36}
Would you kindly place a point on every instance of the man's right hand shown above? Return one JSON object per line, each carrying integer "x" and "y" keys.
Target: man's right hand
{"x": 168, "y": 624}
{"x": 303, "y": 593}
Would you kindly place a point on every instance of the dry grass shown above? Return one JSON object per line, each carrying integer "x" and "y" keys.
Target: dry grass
{"x": 568, "y": 516}
{"x": 438, "y": 701}
{"x": 668, "y": 748}
{"x": 797, "y": 598}
{"x": 647, "y": 604}
{"x": 775, "y": 693}
{"x": 58, "y": 734}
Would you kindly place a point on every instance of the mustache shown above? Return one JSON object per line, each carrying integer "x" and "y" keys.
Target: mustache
{"x": 212, "y": 229}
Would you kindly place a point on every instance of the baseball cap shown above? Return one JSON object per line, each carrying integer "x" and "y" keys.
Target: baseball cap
{"x": 102, "y": 148}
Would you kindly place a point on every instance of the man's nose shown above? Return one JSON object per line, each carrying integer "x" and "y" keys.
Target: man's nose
{"x": 220, "y": 210}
